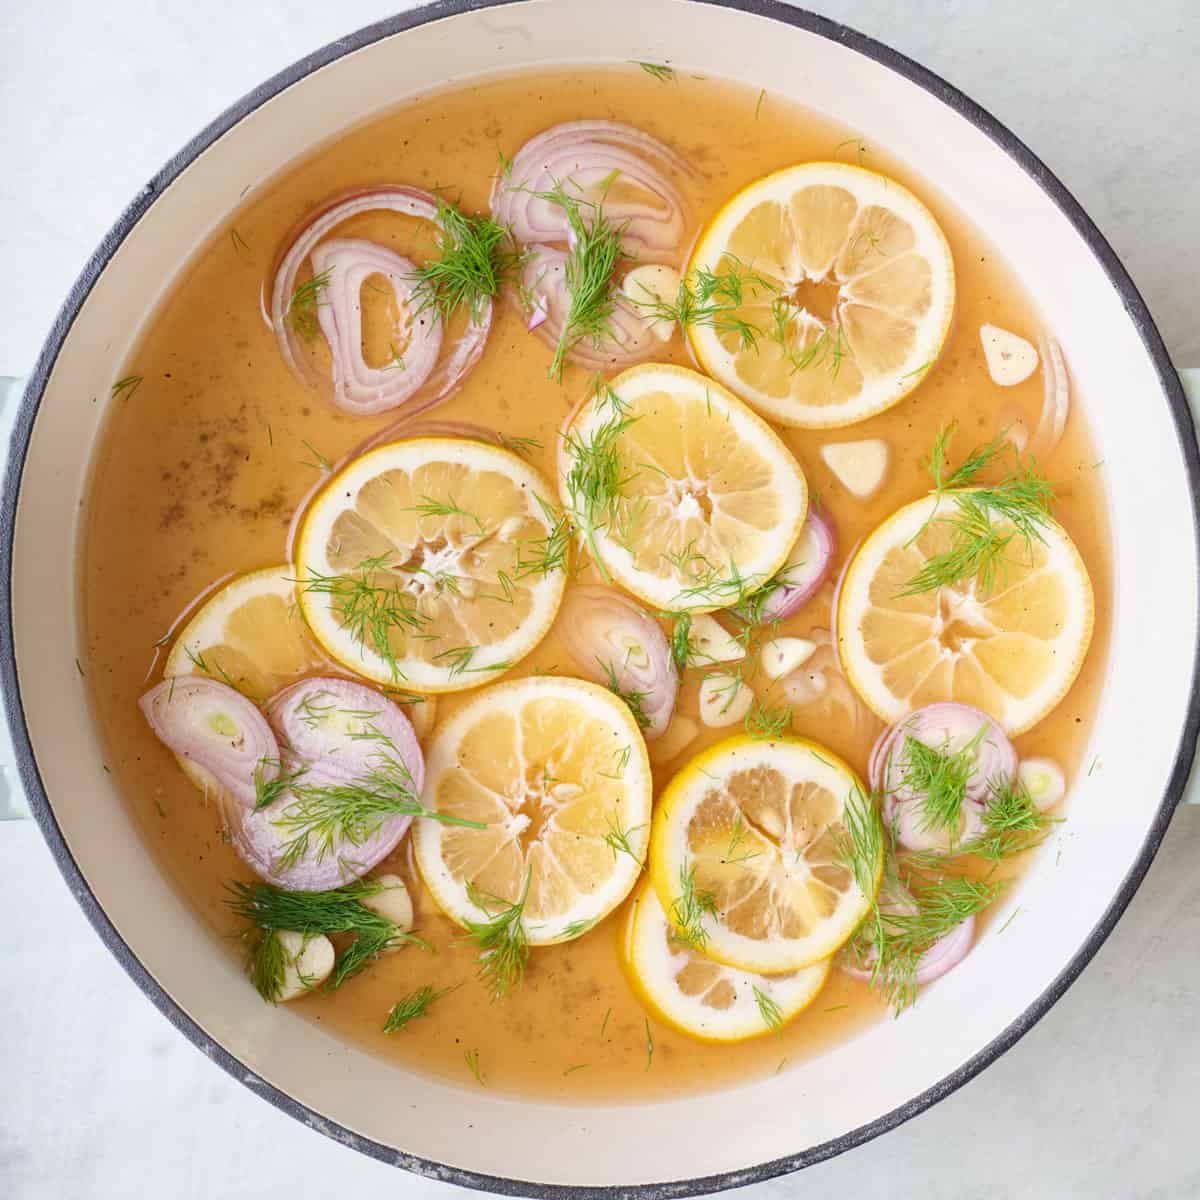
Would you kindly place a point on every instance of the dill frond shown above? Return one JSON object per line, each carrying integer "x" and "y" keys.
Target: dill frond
{"x": 415, "y": 1004}
{"x": 689, "y": 909}
{"x": 501, "y": 940}
{"x": 301, "y": 315}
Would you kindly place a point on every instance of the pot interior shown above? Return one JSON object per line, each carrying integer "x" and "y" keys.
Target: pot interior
{"x": 1116, "y": 813}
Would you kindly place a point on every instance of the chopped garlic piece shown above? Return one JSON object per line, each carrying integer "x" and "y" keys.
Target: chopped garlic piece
{"x": 647, "y": 285}
{"x": 709, "y": 642}
{"x": 681, "y": 732}
{"x": 860, "y": 466}
{"x": 393, "y": 902}
{"x": 781, "y": 656}
{"x": 1010, "y": 359}
{"x": 1044, "y": 780}
{"x": 724, "y": 700}
{"x": 307, "y": 962}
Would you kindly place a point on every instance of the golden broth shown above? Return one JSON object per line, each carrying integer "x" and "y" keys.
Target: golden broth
{"x": 202, "y": 467}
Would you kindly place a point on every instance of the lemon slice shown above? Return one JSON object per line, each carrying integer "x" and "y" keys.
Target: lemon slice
{"x": 685, "y": 496}
{"x": 558, "y": 771}
{"x": 702, "y": 998}
{"x": 248, "y": 634}
{"x": 745, "y": 853}
{"x": 1012, "y": 653}
{"x": 427, "y": 563}
{"x": 851, "y": 287}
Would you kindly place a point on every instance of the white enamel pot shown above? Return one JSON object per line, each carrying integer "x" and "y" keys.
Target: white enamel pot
{"x": 1147, "y": 724}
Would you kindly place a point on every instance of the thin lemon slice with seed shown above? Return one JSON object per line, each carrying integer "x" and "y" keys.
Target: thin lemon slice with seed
{"x": 1012, "y": 652}
{"x": 702, "y": 998}
{"x": 557, "y": 770}
{"x": 423, "y": 563}
{"x": 748, "y": 854}
{"x": 683, "y": 495}
{"x": 847, "y": 279}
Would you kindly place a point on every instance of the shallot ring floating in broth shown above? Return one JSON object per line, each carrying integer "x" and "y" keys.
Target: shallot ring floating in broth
{"x": 595, "y": 155}
{"x": 317, "y": 719}
{"x": 359, "y": 392}
{"x": 804, "y": 573}
{"x": 598, "y": 160}
{"x": 217, "y": 728}
{"x": 949, "y": 727}
{"x": 616, "y": 642}
{"x": 627, "y": 337}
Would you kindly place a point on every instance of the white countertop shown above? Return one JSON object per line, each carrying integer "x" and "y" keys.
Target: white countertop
{"x": 101, "y": 1098}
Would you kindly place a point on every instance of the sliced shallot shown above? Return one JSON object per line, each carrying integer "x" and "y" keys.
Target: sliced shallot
{"x": 628, "y": 336}
{"x": 339, "y": 735}
{"x": 949, "y": 728}
{"x": 807, "y": 568}
{"x": 217, "y": 728}
{"x": 360, "y": 392}
{"x": 1056, "y": 402}
{"x": 601, "y": 161}
{"x": 946, "y": 953}
{"x": 618, "y": 643}
{"x": 358, "y": 387}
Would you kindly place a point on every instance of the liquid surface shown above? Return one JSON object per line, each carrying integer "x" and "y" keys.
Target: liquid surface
{"x": 204, "y": 464}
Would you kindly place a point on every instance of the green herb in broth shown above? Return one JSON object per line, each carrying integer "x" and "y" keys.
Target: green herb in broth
{"x": 501, "y": 940}
{"x": 301, "y": 315}
{"x": 415, "y": 1004}
{"x": 476, "y": 258}
{"x": 270, "y": 909}
{"x": 987, "y": 519}
{"x": 688, "y": 910}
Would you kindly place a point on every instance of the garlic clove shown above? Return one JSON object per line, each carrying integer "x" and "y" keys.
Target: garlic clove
{"x": 781, "y": 656}
{"x": 724, "y": 700}
{"x": 710, "y": 642}
{"x": 859, "y": 466}
{"x": 1044, "y": 780}
{"x": 394, "y": 903}
{"x": 307, "y": 962}
{"x": 1010, "y": 359}
{"x": 649, "y": 286}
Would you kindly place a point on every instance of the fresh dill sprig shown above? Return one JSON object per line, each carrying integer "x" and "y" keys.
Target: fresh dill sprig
{"x": 459, "y": 659}
{"x": 501, "y": 940}
{"x": 596, "y": 476}
{"x": 301, "y": 314}
{"x": 270, "y": 909}
{"x": 430, "y": 507}
{"x": 987, "y": 519}
{"x": 415, "y": 1004}
{"x": 681, "y": 639}
{"x": 890, "y": 942}
{"x": 471, "y": 1058}
{"x": 710, "y": 298}
{"x": 476, "y": 257}
{"x": 828, "y": 348}
{"x": 541, "y": 556}
{"x": 267, "y": 791}
{"x": 578, "y": 928}
{"x": 663, "y": 74}
{"x": 617, "y": 838}
{"x": 596, "y": 249}
{"x": 126, "y": 387}
{"x": 763, "y": 723}
{"x": 268, "y": 966}
{"x": 319, "y": 462}
{"x": 370, "y": 611}
{"x": 769, "y": 1010}
{"x": 689, "y": 909}
{"x": 321, "y": 816}
{"x": 239, "y": 243}
{"x": 634, "y": 701}
{"x": 940, "y": 779}
{"x": 737, "y": 838}
{"x": 859, "y": 843}
{"x": 1012, "y": 824}
{"x": 717, "y": 587}
{"x": 518, "y": 445}
{"x": 649, "y": 1045}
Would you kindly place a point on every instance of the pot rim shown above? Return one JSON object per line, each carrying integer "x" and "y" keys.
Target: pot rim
{"x": 31, "y": 781}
